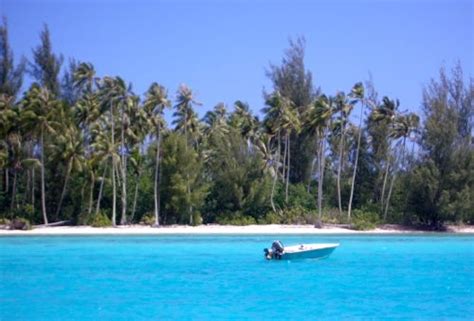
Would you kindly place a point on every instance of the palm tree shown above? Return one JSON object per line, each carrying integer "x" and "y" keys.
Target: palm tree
{"x": 344, "y": 107}
{"x": 69, "y": 148}
{"x": 317, "y": 122}
{"x": 155, "y": 102}
{"x": 187, "y": 123}
{"x": 290, "y": 123}
{"x": 358, "y": 94}
{"x": 38, "y": 117}
{"x": 385, "y": 112}
{"x": 216, "y": 121}
{"x": 84, "y": 77}
{"x": 403, "y": 126}
{"x": 272, "y": 123}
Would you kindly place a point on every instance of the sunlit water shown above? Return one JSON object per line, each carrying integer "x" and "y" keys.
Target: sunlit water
{"x": 226, "y": 278}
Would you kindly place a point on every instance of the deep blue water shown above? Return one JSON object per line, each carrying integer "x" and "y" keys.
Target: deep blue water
{"x": 226, "y": 278}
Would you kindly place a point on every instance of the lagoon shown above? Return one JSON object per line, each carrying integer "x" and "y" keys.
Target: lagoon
{"x": 186, "y": 277}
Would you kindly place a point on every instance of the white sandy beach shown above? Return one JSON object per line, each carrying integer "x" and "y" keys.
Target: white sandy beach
{"x": 220, "y": 230}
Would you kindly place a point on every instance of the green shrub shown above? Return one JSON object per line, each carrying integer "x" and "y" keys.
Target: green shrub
{"x": 236, "y": 219}
{"x": 100, "y": 220}
{"x": 364, "y": 220}
{"x": 148, "y": 219}
{"x": 270, "y": 218}
{"x": 20, "y": 223}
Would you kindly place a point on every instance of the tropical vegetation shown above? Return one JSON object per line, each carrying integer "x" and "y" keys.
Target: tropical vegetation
{"x": 87, "y": 149}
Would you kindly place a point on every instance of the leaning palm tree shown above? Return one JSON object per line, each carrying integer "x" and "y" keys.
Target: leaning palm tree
{"x": 38, "y": 118}
{"x": 402, "y": 128}
{"x": 155, "y": 102}
{"x": 272, "y": 126}
{"x": 344, "y": 108}
{"x": 358, "y": 94}
{"x": 385, "y": 112}
{"x": 317, "y": 122}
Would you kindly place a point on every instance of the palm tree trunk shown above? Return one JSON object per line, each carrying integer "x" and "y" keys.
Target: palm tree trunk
{"x": 63, "y": 193}
{"x": 123, "y": 219}
{"x": 322, "y": 166}
{"x": 385, "y": 177}
{"x": 157, "y": 168}
{"x": 114, "y": 188}
{"x": 91, "y": 195}
{"x": 43, "y": 192}
{"x": 188, "y": 188}
{"x": 354, "y": 172}
{"x": 284, "y": 160}
{"x": 135, "y": 198}
{"x": 339, "y": 169}
{"x": 13, "y": 200}
{"x": 276, "y": 174}
{"x": 101, "y": 188}
{"x": 33, "y": 181}
{"x": 288, "y": 170}
{"x": 391, "y": 183}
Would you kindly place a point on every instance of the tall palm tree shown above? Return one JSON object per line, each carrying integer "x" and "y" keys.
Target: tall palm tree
{"x": 187, "y": 123}
{"x": 386, "y": 112}
{"x": 84, "y": 77}
{"x": 38, "y": 117}
{"x": 344, "y": 107}
{"x": 317, "y": 121}
{"x": 290, "y": 123}
{"x": 69, "y": 148}
{"x": 272, "y": 123}
{"x": 403, "y": 126}
{"x": 156, "y": 101}
{"x": 358, "y": 94}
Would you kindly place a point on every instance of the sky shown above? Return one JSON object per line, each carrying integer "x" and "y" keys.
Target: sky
{"x": 221, "y": 49}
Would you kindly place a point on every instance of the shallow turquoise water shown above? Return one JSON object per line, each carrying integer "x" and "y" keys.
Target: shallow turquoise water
{"x": 226, "y": 278}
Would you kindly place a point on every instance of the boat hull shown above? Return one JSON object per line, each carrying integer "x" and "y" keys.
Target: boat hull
{"x": 310, "y": 254}
{"x": 302, "y": 251}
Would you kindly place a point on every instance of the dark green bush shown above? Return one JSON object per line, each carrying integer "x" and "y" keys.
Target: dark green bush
{"x": 100, "y": 220}
{"x": 364, "y": 220}
{"x": 148, "y": 219}
{"x": 236, "y": 219}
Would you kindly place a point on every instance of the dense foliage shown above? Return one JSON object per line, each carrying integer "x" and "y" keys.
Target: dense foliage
{"x": 87, "y": 149}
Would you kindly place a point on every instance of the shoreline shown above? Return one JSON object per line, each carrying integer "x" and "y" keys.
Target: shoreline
{"x": 214, "y": 229}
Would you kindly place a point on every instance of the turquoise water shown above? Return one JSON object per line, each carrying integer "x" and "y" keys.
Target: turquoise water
{"x": 226, "y": 278}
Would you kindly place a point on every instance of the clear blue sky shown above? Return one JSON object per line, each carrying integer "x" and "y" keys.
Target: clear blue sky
{"x": 221, "y": 48}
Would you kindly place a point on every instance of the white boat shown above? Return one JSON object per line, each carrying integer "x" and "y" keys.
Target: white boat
{"x": 300, "y": 251}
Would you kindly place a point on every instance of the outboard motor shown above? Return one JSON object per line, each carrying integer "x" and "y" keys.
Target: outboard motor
{"x": 277, "y": 249}
{"x": 275, "y": 252}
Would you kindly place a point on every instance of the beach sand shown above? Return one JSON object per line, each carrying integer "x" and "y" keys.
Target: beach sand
{"x": 222, "y": 230}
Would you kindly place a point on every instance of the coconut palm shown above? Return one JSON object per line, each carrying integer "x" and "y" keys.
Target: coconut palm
{"x": 402, "y": 128}
{"x": 156, "y": 101}
{"x": 38, "y": 118}
{"x": 84, "y": 77}
{"x": 69, "y": 148}
{"x": 386, "y": 112}
{"x": 243, "y": 120}
{"x": 358, "y": 94}
{"x": 317, "y": 122}
{"x": 187, "y": 123}
{"x": 272, "y": 126}
{"x": 344, "y": 108}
